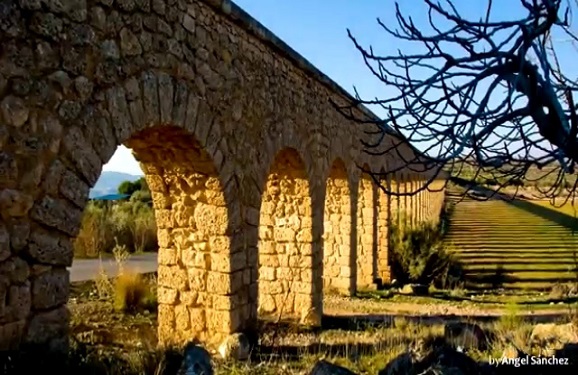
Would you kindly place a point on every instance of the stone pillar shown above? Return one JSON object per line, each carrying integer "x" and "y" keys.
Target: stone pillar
{"x": 286, "y": 241}
{"x": 421, "y": 201}
{"x": 411, "y": 200}
{"x": 402, "y": 201}
{"x": 338, "y": 261}
{"x": 383, "y": 269}
{"x": 395, "y": 200}
{"x": 427, "y": 205}
{"x": 203, "y": 272}
{"x": 366, "y": 236}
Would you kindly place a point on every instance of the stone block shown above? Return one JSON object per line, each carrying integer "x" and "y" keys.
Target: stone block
{"x": 50, "y": 289}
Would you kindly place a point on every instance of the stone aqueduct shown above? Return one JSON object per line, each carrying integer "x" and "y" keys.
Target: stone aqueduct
{"x": 259, "y": 200}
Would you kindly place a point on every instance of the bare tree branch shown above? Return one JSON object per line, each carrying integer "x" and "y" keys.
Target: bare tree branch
{"x": 488, "y": 95}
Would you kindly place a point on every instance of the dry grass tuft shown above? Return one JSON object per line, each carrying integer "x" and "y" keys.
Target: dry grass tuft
{"x": 132, "y": 293}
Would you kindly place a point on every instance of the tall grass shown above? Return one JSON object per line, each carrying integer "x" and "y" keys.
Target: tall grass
{"x": 129, "y": 224}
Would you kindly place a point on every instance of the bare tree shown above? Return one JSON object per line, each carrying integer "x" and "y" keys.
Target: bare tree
{"x": 488, "y": 94}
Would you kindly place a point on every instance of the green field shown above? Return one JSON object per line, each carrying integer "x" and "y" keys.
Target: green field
{"x": 514, "y": 244}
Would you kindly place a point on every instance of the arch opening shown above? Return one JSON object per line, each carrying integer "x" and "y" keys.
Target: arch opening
{"x": 199, "y": 293}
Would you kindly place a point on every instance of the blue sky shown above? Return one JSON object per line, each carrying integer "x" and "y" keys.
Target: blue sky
{"x": 317, "y": 30}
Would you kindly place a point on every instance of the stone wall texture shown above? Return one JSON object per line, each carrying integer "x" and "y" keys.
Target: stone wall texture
{"x": 259, "y": 202}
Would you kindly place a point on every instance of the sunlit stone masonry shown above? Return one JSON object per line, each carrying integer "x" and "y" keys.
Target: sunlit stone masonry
{"x": 260, "y": 205}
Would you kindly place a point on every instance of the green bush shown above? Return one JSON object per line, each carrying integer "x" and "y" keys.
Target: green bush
{"x": 420, "y": 256}
{"x": 130, "y": 224}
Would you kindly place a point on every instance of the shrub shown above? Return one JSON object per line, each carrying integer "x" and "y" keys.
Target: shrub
{"x": 130, "y": 224}
{"x": 95, "y": 236}
{"x": 135, "y": 226}
{"x": 420, "y": 255}
{"x": 131, "y": 292}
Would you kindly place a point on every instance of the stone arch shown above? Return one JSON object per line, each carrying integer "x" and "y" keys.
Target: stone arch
{"x": 339, "y": 261}
{"x": 367, "y": 216}
{"x": 160, "y": 117}
{"x": 285, "y": 249}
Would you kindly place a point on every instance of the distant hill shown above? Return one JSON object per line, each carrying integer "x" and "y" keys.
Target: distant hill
{"x": 109, "y": 181}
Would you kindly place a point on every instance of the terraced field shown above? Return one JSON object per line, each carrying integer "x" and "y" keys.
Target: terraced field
{"x": 514, "y": 244}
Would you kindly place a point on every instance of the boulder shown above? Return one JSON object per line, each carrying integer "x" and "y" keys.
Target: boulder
{"x": 196, "y": 361}
{"x": 415, "y": 289}
{"x": 553, "y": 336}
{"x": 235, "y": 346}
{"x": 325, "y": 368}
{"x": 401, "y": 365}
{"x": 569, "y": 351}
{"x": 465, "y": 335}
{"x": 442, "y": 360}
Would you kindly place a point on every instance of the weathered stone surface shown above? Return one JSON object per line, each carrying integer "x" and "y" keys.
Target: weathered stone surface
{"x": 16, "y": 269}
{"x": 50, "y": 289}
{"x": 129, "y": 43}
{"x": 4, "y": 242}
{"x": 14, "y": 203}
{"x": 11, "y": 335}
{"x": 57, "y": 214}
{"x": 47, "y": 248}
{"x": 238, "y": 143}
{"x": 14, "y": 111}
{"x": 48, "y": 325}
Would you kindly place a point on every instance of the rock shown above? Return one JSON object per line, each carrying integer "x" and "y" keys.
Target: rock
{"x": 441, "y": 360}
{"x": 554, "y": 336}
{"x": 415, "y": 289}
{"x": 129, "y": 43}
{"x": 235, "y": 346}
{"x": 325, "y": 368}
{"x": 401, "y": 365}
{"x": 14, "y": 111}
{"x": 562, "y": 291}
{"x": 446, "y": 360}
{"x": 14, "y": 203}
{"x": 197, "y": 361}
{"x": 4, "y": 243}
{"x": 569, "y": 351}
{"x": 109, "y": 50}
{"x": 465, "y": 335}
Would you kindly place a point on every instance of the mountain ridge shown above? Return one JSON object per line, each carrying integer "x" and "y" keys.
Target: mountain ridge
{"x": 108, "y": 182}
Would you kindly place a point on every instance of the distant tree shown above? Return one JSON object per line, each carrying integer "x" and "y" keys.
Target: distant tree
{"x": 130, "y": 187}
{"x": 137, "y": 190}
{"x": 488, "y": 92}
{"x": 143, "y": 196}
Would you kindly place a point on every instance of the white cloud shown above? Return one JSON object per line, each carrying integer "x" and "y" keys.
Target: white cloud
{"x": 123, "y": 161}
